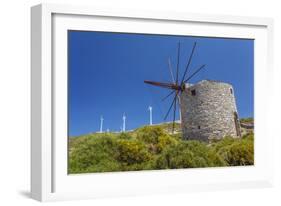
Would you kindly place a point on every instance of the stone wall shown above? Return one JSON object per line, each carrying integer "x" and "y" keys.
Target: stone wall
{"x": 208, "y": 111}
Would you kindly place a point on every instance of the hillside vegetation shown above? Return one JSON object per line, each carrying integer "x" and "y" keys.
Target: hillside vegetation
{"x": 153, "y": 148}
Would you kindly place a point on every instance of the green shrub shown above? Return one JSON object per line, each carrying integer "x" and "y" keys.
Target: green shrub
{"x": 124, "y": 135}
{"x": 150, "y": 134}
{"x": 236, "y": 152}
{"x": 188, "y": 154}
{"x": 164, "y": 141}
{"x": 241, "y": 153}
{"x": 249, "y": 136}
{"x": 155, "y": 138}
{"x": 222, "y": 144}
{"x": 92, "y": 153}
{"x": 132, "y": 152}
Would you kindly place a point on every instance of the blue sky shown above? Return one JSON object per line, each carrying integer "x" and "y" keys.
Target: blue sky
{"x": 106, "y": 73}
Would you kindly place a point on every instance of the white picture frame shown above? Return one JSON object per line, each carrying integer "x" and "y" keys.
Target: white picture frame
{"x": 49, "y": 178}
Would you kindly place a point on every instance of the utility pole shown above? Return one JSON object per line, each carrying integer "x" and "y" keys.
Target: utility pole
{"x": 150, "y": 113}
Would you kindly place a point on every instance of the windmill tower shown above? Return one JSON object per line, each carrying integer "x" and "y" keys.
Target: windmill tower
{"x": 101, "y": 123}
{"x": 207, "y": 109}
{"x": 124, "y": 122}
{"x": 150, "y": 115}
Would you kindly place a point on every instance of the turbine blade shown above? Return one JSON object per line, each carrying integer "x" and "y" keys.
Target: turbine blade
{"x": 163, "y": 84}
{"x": 189, "y": 61}
{"x": 195, "y": 73}
{"x": 170, "y": 107}
{"x": 171, "y": 70}
{"x": 178, "y": 62}
{"x": 168, "y": 95}
{"x": 160, "y": 84}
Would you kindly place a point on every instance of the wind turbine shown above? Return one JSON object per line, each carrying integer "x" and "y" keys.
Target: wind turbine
{"x": 124, "y": 122}
{"x": 101, "y": 123}
{"x": 150, "y": 114}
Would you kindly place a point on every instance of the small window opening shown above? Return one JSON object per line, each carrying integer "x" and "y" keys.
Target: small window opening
{"x": 199, "y": 127}
{"x": 193, "y": 92}
{"x": 231, "y": 91}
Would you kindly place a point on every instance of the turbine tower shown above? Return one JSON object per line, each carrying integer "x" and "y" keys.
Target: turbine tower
{"x": 124, "y": 122}
{"x": 150, "y": 113}
{"x": 101, "y": 123}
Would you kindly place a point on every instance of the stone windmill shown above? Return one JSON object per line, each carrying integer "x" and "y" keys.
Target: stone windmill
{"x": 207, "y": 109}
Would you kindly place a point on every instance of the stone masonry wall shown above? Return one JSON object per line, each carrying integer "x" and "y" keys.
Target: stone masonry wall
{"x": 210, "y": 112}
